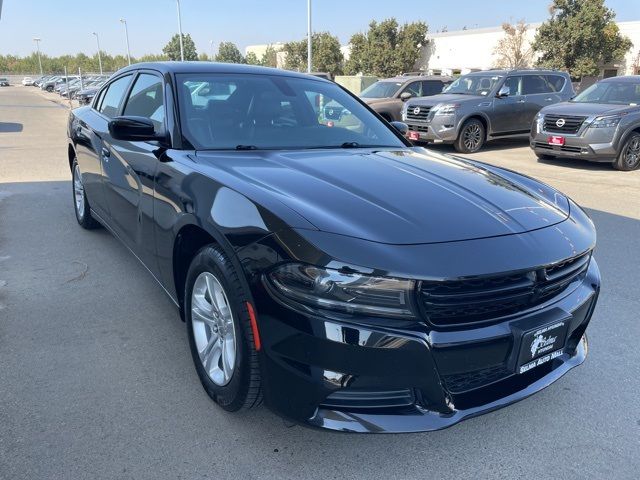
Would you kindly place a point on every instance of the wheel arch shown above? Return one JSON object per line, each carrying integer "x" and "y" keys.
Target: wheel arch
{"x": 486, "y": 123}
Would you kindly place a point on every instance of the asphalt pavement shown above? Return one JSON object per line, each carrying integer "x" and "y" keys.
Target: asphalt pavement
{"x": 96, "y": 379}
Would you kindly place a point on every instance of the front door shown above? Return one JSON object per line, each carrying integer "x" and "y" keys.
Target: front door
{"x": 130, "y": 170}
{"x": 508, "y": 111}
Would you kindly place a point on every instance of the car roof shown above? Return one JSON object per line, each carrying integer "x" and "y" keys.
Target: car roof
{"x": 625, "y": 79}
{"x": 214, "y": 67}
{"x": 411, "y": 78}
{"x": 515, "y": 70}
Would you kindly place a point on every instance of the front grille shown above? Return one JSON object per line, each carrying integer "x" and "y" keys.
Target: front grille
{"x": 347, "y": 399}
{"x": 419, "y": 128}
{"x": 421, "y": 115}
{"x": 571, "y": 123}
{"x": 462, "y": 382}
{"x": 563, "y": 148}
{"x": 482, "y": 299}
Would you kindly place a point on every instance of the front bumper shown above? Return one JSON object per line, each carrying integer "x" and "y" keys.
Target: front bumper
{"x": 593, "y": 144}
{"x": 438, "y": 128}
{"x": 380, "y": 376}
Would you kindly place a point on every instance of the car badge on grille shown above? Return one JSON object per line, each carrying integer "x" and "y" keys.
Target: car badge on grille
{"x": 331, "y": 111}
{"x": 416, "y": 110}
{"x": 560, "y": 122}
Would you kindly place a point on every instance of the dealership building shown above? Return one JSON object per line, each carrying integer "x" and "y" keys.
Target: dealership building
{"x": 470, "y": 50}
{"x": 464, "y": 51}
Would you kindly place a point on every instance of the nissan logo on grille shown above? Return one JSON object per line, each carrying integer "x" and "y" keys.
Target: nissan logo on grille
{"x": 560, "y": 122}
{"x": 416, "y": 110}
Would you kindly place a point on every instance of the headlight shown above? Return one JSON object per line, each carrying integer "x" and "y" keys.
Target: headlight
{"x": 606, "y": 122}
{"x": 446, "y": 109}
{"x": 346, "y": 292}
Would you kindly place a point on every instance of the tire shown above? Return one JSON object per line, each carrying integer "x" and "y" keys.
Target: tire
{"x": 471, "y": 137}
{"x": 49, "y": 89}
{"x": 80, "y": 200}
{"x": 210, "y": 339}
{"x": 629, "y": 157}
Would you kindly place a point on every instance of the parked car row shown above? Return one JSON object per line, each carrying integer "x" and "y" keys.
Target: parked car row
{"x": 69, "y": 86}
{"x": 600, "y": 124}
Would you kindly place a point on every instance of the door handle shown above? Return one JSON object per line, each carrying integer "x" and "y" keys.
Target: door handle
{"x": 106, "y": 154}
{"x": 548, "y": 99}
{"x": 521, "y": 101}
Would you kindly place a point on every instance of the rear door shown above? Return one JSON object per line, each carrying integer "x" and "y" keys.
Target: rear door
{"x": 539, "y": 91}
{"x": 130, "y": 169}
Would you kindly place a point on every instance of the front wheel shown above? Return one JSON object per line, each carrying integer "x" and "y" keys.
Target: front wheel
{"x": 221, "y": 336}
{"x": 471, "y": 137}
{"x": 629, "y": 157}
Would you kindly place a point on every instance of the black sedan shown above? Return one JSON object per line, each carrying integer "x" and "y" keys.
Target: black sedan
{"x": 350, "y": 280}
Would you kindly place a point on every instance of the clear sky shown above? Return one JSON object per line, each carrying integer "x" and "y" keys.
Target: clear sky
{"x": 65, "y": 26}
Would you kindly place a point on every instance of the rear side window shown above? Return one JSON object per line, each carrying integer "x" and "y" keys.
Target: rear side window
{"x": 533, "y": 84}
{"x": 431, "y": 87}
{"x": 146, "y": 99}
{"x": 555, "y": 82}
{"x": 113, "y": 96}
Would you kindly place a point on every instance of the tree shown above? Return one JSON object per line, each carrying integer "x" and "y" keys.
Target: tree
{"x": 252, "y": 59}
{"x": 270, "y": 57}
{"x": 325, "y": 50}
{"x": 580, "y": 36}
{"x": 386, "y": 49}
{"x": 513, "y": 50}
{"x": 229, "y": 53}
{"x": 172, "y": 49}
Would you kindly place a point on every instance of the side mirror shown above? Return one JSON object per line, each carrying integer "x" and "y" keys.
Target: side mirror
{"x": 404, "y": 96}
{"x": 401, "y": 127}
{"x": 504, "y": 92}
{"x": 132, "y": 129}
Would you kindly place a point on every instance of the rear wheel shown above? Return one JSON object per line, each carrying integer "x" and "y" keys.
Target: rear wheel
{"x": 471, "y": 137}
{"x": 80, "y": 201}
{"x": 629, "y": 157}
{"x": 220, "y": 332}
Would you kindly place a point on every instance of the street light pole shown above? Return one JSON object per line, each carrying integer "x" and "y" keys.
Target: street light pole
{"x": 99, "y": 56}
{"x": 37, "y": 40}
{"x": 211, "y": 44}
{"x": 180, "y": 31}
{"x": 126, "y": 34}
{"x": 309, "y": 62}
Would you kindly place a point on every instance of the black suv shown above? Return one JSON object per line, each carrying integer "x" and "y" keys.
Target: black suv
{"x": 485, "y": 105}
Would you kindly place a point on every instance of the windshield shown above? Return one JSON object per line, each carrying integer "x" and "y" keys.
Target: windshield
{"x": 615, "y": 93}
{"x": 381, "y": 90}
{"x": 248, "y": 111}
{"x": 474, "y": 85}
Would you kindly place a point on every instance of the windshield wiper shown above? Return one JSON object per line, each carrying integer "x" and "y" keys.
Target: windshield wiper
{"x": 246, "y": 147}
{"x": 350, "y": 145}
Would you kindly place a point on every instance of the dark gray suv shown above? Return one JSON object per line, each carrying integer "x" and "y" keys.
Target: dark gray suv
{"x": 601, "y": 124}
{"x": 484, "y": 105}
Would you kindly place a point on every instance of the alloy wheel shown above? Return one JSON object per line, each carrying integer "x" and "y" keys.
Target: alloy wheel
{"x": 632, "y": 153}
{"x": 213, "y": 328}
{"x": 471, "y": 137}
{"x": 78, "y": 192}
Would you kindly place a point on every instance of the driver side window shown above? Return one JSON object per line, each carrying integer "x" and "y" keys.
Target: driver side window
{"x": 514, "y": 84}
{"x": 146, "y": 100}
{"x": 414, "y": 89}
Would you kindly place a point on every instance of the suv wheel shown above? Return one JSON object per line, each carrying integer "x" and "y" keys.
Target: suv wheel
{"x": 471, "y": 137}
{"x": 220, "y": 332}
{"x": 629, "y": 158}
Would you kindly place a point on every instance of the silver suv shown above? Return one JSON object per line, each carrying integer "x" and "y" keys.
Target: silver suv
{"x": 484, "y": 105}
{"x": 601, "y": 124}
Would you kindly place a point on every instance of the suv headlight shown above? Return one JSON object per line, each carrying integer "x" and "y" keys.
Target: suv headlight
{"x": 446, "y": 109}
{"x": 610, "y": 121}
{"x": 346, "y": 292}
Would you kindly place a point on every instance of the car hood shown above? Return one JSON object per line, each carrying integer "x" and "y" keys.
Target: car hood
{"x": 446, "y": 98}
{"x": 401, "y": 196}
{"x": 586, "y": 109}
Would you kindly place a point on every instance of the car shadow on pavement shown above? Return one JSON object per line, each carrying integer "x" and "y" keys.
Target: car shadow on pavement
{"x": 577, "y": 164}
{"x": 490, "y": 146}
{"x": 97, "y": 377}
{"x": 10, "y": 127}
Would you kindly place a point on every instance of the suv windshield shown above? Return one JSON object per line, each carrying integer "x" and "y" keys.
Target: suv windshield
{"x": 474, "y": 85}
{"x": 248, "y": 111}
{"x": 615, "y": 93}
{"x": 381, "y": 90}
